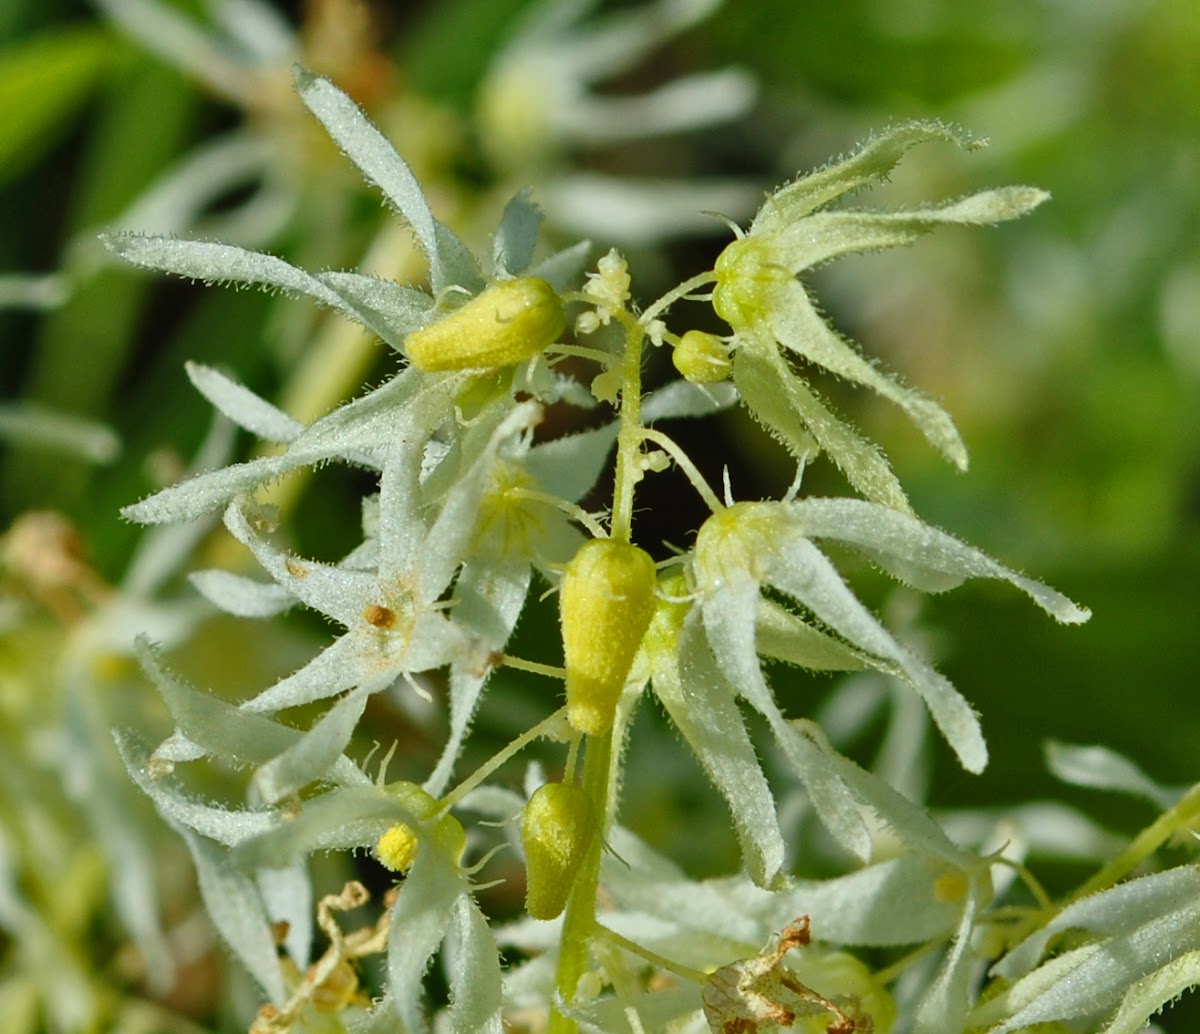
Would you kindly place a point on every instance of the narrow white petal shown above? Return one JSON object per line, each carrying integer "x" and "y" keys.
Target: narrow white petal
{"x": 805, "y": 574}
{"x": 870, "y": 163}
{"x": 707, "y": 716}
{"x": 799, "y": 327}
{"x": 781, "y": 401}
{"x": 313, "y": 753}
{"x": 473, "y": 971}
{"x": 241, "y": 596}
{"x": 729, "y": 623}
{"x": 917, "y": 553}
{"x": 242, "y": 406}
{"x": 449, "y": 260}
{"x": 420, "y": 919}
{"x": 236, "y": 910}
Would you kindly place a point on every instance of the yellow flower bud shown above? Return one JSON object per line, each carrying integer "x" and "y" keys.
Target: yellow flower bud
{"x": 556, "y": 831}
{"x": 397, "y": 848}
{"x": 702, "y": 358}
{"x": 605, "y": 602}
{"x": 511, "y": 321}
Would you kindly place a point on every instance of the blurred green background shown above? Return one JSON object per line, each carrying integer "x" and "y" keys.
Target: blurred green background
{"x": 1067, "y": 346}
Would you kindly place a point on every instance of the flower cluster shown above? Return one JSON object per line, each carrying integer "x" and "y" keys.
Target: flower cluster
{"x": 472, "y": 504}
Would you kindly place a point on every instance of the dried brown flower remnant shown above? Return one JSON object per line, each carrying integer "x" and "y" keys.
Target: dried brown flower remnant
{"x": 756, "y": 995}
{"x": 331, "y": 983}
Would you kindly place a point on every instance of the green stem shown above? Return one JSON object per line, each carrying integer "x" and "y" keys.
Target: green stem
{"x": 579, "y": 924}
{"x": 1149, "y": 840}
{"x": 684, "y": 462}
{"x": 629, "y": 436}
{"x": 695, "y": 976}
{"x": 672, "y": 296}
{"x": 544, "y": 727}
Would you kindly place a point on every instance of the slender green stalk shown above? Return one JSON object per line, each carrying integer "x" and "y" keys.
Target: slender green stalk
{"x": 672, "y": 296}
{"x": 498, "y": 759}
{"x": 579, "y": 924}
{"x": 1149, "y": 840}
{"x": 696, "y": 976}
{"x": 629, "y": 436}
{"x": 683, "y": 461}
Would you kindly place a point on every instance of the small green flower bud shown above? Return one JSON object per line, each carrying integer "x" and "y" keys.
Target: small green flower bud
{"x": 511, "y": 321}
{"x": 556, "y": 831}
{"x": 397, "y": 848}
{"x": 605, "y": 602}
{"x": 746, "y": 270}
{"x": 702, "y": 358}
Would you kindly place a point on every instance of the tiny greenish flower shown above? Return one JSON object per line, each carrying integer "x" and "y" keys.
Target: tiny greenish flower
{"x": 606, "y": 602}
{"x": 507, "y": 323}
{"x": 758, "y": 294}
{"x": 753, "y": 545}
{"x": 556, "y": 832}
{"x": 702, "y": 358}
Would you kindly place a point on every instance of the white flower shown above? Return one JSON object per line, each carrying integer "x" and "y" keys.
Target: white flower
{"x": 751, "y": 546}
{"x": 757, "y": 292}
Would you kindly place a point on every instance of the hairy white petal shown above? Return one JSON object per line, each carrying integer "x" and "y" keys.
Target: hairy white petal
{"x": 707, "y": 716}
{"x": 516, "y": 236}
{"x": 473, "y": 971}
{"x": 241, "y": 596}
{"x": 729, "y": 623}
{"x": 242, "y": 406}
{"x": 872, "y": 162}
{"x": 449, "y": 260}
{"x": 918, "y": 553}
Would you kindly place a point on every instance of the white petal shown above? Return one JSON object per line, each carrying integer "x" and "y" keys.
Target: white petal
{"x": 420, "y": 919}
{"x": 215, "y": 823}
{"x": 799, "y": 327}
{"x": 241, "y": 596}
{"x": 1104, "y": 769}
{"x": 314, "y": 753}
{"x": 242, "y": 406}
{"x": 872, "y": 162}
{"x": 473, "y": 971}
{"x": 944, "y": 1005}
{"x": 391, "y": 310}
{"x": 918, "y": 553}
{"x": 516, "y": 236}
{"x": 729, "y": 622}
{"x": 449, "y": 261}
{"x": 705, "y": 713}
{"x": 236, "y": 910}
{"x": 678, "y": 398}
{"x": 783, "y": 403}
{"x": 337, "y": 593}
{"x": 826, "y": 235}
{"x": 805, "y": 574}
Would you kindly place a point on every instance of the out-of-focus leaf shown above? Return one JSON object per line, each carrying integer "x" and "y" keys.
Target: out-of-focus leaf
{"x": 44, "y": 81}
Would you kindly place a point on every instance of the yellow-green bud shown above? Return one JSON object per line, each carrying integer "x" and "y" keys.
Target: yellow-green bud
{"x": 397, "y": 848}
{"x": 746, "y": 271}
{"x": 509, "y": 322}
{"x": 702, "y": 358}
{"x": 556, "y": 831}
{"x": 605, "y": 602}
